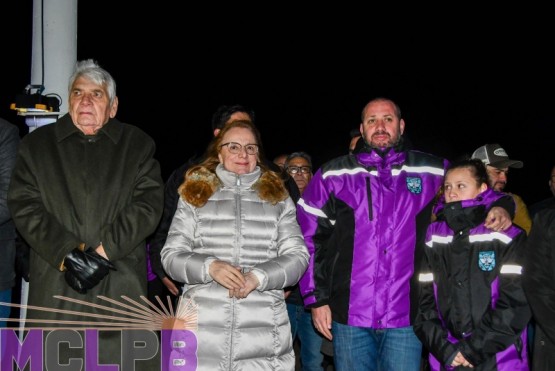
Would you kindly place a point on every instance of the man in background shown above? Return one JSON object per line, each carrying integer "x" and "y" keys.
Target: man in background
{"x": 299, "y": 166}
{"x": 497, "y": 162}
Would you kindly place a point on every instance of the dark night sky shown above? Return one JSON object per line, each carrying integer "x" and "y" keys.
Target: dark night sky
{"x": 308, "y": 78}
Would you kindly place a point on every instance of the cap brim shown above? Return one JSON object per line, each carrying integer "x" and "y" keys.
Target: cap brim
{"x": 508, "y": 163}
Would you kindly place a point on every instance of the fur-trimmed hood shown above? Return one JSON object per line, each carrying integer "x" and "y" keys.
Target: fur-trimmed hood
{"x": 201, "y": 183}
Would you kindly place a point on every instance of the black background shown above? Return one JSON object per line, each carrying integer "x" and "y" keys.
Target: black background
{"x": 463, "y": 78}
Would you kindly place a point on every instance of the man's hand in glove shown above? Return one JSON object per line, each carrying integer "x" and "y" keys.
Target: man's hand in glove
{"x": 85, "y": 269}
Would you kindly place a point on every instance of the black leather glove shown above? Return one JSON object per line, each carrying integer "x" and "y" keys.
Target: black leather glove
{"x": 85, "y": 269}
{"x": 74, "y": 283}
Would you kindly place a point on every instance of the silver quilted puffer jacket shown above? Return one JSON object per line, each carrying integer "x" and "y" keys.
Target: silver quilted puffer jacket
{"x": 236, "y": 226}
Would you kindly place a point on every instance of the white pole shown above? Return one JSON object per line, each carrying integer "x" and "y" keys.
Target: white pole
{"x": 59, "y": 54}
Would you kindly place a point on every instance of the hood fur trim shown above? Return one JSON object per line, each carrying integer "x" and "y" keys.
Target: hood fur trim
{"x": 270, "y": 188}
{"x": 201, "y": 184}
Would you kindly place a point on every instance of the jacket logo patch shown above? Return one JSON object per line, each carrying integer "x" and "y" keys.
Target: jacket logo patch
{"x": 414, "y": 185}
{"x": 486, "y": 260}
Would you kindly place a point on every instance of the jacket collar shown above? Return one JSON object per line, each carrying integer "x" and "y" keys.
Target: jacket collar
{"x": 461, "y": 218}
{"x": 465, "y": 214}
{"x": 230, "y": 179}
{"x": 378, "y": 158}
{"x": 390, "y": 155}
{"x": 65, "y": 128}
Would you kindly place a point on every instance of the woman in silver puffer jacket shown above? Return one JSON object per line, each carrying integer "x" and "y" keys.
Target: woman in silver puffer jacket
{"x": 235, "y": 243}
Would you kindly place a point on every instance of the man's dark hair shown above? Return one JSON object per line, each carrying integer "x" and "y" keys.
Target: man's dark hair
{"x": 223, "y": 113}
{"x": 301, "y": 154}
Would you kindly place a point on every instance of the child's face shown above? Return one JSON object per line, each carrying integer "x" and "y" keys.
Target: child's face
{"x": 460, "y": 185}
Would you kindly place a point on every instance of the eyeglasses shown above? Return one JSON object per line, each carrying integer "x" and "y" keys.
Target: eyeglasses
{"x": 236, "y": 148}
{"x": 298, "y": 169}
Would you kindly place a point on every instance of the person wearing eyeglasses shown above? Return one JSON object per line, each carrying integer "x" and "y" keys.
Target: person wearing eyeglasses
{"x": 161, "y": 284}
{"x": 299, "y": 166}
{"x": 235, "y": 243}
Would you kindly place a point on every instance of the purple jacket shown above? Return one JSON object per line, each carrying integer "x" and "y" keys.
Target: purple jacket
{"x": 360, "y": 215}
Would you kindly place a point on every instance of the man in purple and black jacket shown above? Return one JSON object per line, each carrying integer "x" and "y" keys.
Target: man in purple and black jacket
{"x": 362, "y": 216}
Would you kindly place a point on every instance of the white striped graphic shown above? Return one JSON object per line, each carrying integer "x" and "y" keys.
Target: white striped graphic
{"x": 511, "y": 268}
{"x": 490, "y": 237}
{"x": 311, "y": 210}
{"x": 439, "y": 239}
{"x": 394, "y": 172}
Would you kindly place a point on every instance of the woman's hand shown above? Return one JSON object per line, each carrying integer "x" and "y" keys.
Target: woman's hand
{"x": 251, "y": 283}
{"x": 226, "y": 275}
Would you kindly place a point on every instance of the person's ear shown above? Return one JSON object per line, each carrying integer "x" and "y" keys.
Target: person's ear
{"x": 114, "y": 108}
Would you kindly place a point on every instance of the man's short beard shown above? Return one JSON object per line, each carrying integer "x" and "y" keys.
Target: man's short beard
{"x": 371, "y": 145}
{"x": 501, "y": 188}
